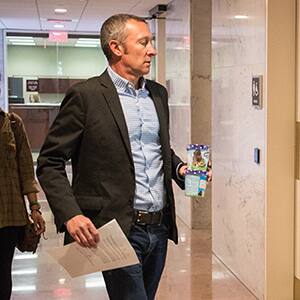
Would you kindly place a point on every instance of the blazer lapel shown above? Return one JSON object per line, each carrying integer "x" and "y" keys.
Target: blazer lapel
{"x": 113, "y": 101}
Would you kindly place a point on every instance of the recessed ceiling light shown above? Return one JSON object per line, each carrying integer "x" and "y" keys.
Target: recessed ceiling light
{"x": 23, "y": 44}
{"x": 24, "y": 271}
{"x": 58, "y": 25}
{"x": 20, "y": 37}
{"x": 21, "y": 41}
{"x": 91, "y": 39}
{"x": 86, "y": 45}
{"x": 58, "y": 20}
{"x": 23, "y": 288}
{"x": 94, "y": 42}
{"x": 241, "y": 17}
{"x": 60, "y": 10}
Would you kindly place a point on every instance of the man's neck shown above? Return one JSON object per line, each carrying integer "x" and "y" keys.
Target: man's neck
{"x": 135, "y": 80}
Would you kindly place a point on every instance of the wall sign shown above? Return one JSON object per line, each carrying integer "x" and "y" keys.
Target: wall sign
{"x": 257, "y": 91}
{"x": 32, "y": 85}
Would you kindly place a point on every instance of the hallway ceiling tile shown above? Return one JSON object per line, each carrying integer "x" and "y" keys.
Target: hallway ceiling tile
{"x": 81, "y": 15}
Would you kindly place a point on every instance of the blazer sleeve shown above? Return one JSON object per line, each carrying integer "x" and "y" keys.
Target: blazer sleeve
{"x": 60, "y": 145}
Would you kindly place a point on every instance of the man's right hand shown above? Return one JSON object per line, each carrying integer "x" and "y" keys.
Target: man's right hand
{"x": 83, "y": 231}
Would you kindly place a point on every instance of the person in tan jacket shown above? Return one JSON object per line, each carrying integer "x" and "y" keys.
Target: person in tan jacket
{"x": 16, "y": 180}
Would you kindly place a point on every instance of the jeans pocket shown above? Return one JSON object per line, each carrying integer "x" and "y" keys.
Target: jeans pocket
{"x": 134, "y": 270}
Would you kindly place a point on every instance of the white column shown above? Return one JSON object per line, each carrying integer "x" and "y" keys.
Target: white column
{"x": 201, "y": 98}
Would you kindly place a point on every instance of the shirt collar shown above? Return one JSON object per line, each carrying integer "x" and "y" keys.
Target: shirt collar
{"x": 121, "y": 83}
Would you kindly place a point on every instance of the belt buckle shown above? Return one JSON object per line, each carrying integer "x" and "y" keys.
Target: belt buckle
{"x": 148, "y": 218}
{"x": 139, "y": 217}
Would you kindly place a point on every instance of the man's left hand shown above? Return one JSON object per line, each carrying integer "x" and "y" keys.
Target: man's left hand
{"x": 209, "y": 171}
{"x": 182, "y": 170}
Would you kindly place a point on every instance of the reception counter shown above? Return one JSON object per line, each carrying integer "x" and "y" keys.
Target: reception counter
{"x": 37, "y": 118}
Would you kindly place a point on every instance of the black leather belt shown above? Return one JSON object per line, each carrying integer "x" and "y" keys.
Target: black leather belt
{"x": 143, "y": 217}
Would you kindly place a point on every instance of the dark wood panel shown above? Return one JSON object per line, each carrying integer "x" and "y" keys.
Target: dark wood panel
{"x": 56, "y": 85}
{"x": 37, "y": 122}
{"x": 63, "y": 85}
{"x": 48, "y": 85}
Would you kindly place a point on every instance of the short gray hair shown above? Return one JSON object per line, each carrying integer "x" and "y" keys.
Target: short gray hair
{"x": 114, "y": 29}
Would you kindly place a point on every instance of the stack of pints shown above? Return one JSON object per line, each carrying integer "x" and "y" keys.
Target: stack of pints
{"x": 196, "y": 174}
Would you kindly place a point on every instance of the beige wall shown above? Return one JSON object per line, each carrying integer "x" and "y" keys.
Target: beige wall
{"x": 253, "y": 205}
{"x": 297, "y": 289}
{"x": 297, "y": 192}
{"x": 281, "y": 25}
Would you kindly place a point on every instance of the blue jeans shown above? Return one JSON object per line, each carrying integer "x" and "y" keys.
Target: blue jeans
{"x": 140, "y": 282}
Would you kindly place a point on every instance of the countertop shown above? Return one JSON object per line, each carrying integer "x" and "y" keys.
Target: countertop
{"x": 34, "y": 105}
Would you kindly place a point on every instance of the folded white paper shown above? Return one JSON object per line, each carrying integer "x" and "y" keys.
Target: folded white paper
{"x": 113, "y": 251}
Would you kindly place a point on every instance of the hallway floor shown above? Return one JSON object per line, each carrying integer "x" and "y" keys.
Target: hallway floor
{"x": 191, "y": 272}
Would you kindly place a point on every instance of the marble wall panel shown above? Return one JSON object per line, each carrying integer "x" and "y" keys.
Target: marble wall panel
{"x": 238, "y": 32}
{"x": 180, "y": 136}
{"x": 178, "y": 84}
{"x": 178, "y": 75}
{"x": 238, "y": 188}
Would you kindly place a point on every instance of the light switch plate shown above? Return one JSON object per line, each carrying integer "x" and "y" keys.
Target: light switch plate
{"x": 257, "y": 155}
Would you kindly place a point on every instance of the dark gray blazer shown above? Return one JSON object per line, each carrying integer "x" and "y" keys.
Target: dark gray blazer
{"x": 90, "y": 129}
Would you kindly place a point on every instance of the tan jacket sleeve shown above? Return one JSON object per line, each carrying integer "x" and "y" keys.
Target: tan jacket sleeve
{"x": 24, "y": 157}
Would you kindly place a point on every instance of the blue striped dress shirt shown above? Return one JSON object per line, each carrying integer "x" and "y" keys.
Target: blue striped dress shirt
{"x": 143, "y": 129}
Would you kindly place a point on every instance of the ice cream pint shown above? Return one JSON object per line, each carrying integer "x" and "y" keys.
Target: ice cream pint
{"x": 196, "y": 174}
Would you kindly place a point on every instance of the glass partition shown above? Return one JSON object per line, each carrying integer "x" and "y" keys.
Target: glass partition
{"x": 40, "y": 70}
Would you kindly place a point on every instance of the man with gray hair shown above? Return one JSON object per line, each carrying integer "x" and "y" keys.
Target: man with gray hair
{"x": 115, "y": 129}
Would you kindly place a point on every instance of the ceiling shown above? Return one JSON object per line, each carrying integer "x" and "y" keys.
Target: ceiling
{"x": 82, "y": 16}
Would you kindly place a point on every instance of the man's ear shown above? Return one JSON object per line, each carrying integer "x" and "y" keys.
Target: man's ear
{"x": 116, "y": 48}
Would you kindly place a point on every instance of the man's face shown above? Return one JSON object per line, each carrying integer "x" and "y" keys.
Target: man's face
{"x": 137, "y": 49}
